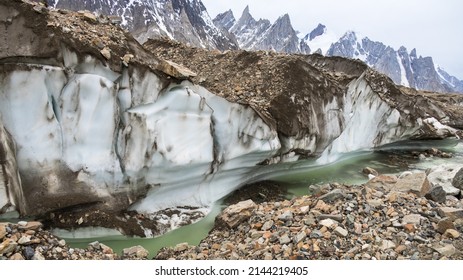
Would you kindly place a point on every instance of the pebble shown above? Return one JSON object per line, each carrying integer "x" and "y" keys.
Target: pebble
{"x": 267, "y": 225}
{"x": 327, "y": 223}
{"x": 181, "y": 247}
{"x": 412, "y": 219}
{"x": 340, "y": 231}
{"x": 444, "y": 224}
{"x": 2, "y": 231}
{"x": 286, "y": 216}
{"x": 332, "y": 195}
{"x": 285, "y": 239}
{"x": 452, "y": 233}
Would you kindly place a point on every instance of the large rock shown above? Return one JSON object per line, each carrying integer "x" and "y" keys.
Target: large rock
{"x": 416, "y": 183}
{"x": 7, "y": 246}
{"x": 450, "y": 212}
{"x": 457, "y": 181}
{"x": 176, "y": 70}
{"x": 437, "y": 194}
{"x": 235, "y": 214}
{"x": 135, "y": 251}
{"x": 443, "y": 175}
{"x": 32, "y": 225}
{"x": 2, "y": 231}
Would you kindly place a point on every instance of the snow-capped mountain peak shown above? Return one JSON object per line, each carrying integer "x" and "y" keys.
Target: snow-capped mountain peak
{"x": 186, "y": 21}
{"x": 253, "y": 34}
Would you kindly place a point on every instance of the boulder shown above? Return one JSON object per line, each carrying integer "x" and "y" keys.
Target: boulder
{"x": 176, "y": 70}
{"x": 416, "y": 183}
{"x": 135, "y": 251}
{"x": 2, "y": 231}
{"x": 370, "y": 171}
{"x": 235, "y": 214}
{"x": 443, "y": 175}
{"x": 7, "y": 246}
{"x": 450, "y": 212}
{"x": 457, "y": 181}
{"x": 332, "y": 196}
{"x": 436, "y": 194}
{"x": 31, "y": 225}
{"x": 444, "y": 224}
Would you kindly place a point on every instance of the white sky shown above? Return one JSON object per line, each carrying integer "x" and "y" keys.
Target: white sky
{"x": 433, "y": 27}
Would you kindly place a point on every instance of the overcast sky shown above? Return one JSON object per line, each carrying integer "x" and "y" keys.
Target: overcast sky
{"x": 433, "y": 27}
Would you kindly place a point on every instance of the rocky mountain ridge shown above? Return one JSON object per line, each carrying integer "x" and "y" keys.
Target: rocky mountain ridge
{"x": 182, "y": 20}
{"x": 403, "y": 67}
{"x": 189, "y": 22}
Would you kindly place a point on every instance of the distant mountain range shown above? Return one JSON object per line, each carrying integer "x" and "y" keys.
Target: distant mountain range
{"x": 402, "y": 67}
{"x": 188, "y": 21}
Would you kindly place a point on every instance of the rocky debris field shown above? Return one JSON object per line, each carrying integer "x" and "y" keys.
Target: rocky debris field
{"x": 405, "y": 217}
{"x": 28, "y": 241}
{"x": 387, "y": 218}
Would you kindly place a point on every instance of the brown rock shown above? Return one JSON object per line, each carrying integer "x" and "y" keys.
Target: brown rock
{"x": 409, "y": 227}
{"x": 369, "y": 170}
{"x": 17, "y": 257}
{"x": 444, "y": 225}
{"x": 388, "y": 179}
{"x": 88, "y": 16}
{"x": 235, "y": 214}
{"x": 135, "y": 251}
{"x": 31, "y": 226}
{"x": 416, "y": 183}
{"x": 106, "y": 53}
{"x": 175, "y": 70}
{"x": 127, "y": 58}
{"x": 450, "y": 212}
{"x": 106, "y": 249}
{"x": 7, "y": 246}
{"x": 452, "y": 233}
{"x": 447, "y": 250}
{"x": 399, "y": 249}
{"x": 2, "y": 231}
{"x": 181, "y": 247}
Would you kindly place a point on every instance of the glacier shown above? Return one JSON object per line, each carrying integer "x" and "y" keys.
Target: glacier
{"x": 78, "y": 130}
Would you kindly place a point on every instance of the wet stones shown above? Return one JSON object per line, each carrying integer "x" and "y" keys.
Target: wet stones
{"x": 370, "y": 171}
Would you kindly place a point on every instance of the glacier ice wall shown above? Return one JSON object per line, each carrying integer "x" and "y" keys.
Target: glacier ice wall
{"x": 80, "y": 130}
{"x": 87, "y": 135}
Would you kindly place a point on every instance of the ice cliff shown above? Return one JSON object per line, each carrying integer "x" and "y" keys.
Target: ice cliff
{"x": 90, "y": 118}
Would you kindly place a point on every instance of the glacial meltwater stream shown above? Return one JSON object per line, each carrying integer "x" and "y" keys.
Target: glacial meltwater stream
{"x": 296, "y": 176}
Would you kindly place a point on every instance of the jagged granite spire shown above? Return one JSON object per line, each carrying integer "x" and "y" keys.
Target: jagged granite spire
{"x": 318, "y": 31}
{"x": 225, "y": 20}
{"x": 260, "y": 34}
